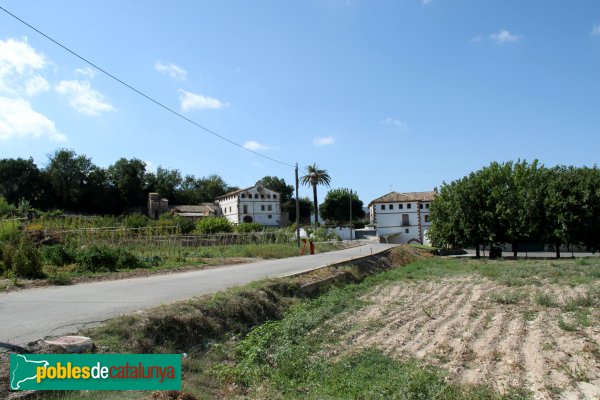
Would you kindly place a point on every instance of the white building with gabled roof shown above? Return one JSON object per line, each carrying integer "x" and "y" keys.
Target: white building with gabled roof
{"x": 254, "y": 204}
{"x": 402, "y": 217}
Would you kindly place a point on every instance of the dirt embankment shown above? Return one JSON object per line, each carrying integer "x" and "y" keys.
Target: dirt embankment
{"x": 483, "y": 333}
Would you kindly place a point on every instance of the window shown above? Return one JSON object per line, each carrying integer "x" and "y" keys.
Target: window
{"x": 391, "y": 206}
{"x": 405, "y": 220}
{"x": 229, "y": 209}
{"x": 268, "y": 196}
{"x": 383, "y": 206}
{"x": 420, "y": 206}
{"x": 400, "y": 206}
{"x": 262, "y": 196}
{"x": 256, "y": 195}
{"x": 245, "y": 209}
{"x": 427, "y": 218}
{"x": 407, "y": 230}
{"x": 270, "y": 207}
{"x": 427, "y": 205}
{"x": 243, "y": 196}
{"x": 262, "y": 208}
{"x": 270, "y": 216}
{"x": 409, "y": 205}
{"x": 274, "y": 196}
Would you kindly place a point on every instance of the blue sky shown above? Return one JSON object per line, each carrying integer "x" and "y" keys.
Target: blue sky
{"x": 383, "y": 94}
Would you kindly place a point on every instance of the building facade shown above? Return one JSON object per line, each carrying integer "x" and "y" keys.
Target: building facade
{"x": 402, "y": 217}
{"x": 254, "y": 204}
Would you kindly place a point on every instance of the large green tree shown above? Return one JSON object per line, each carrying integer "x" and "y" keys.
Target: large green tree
{"x": 128, "y": 180}
{"x": 315, "y": 177}
{"x": 519, "y": 203}
{"x": 166, "y": 182}
{"x": 20, "y": 179}
{"x": 67, "y": 175}
{"x": 336, "y": 206}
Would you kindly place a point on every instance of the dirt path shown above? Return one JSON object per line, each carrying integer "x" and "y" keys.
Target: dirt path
{"x": 482, "y": 332}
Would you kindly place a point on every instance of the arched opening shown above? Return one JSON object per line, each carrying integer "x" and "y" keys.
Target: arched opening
{"x": 247, "y": 219}
{"x": 413, "y": 240}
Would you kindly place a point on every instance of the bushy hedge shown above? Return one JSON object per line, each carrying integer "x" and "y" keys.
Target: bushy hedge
{"x": 104, "y": 258}
{"x": 58, "y": 255}
{"x": 249, "y": 227}
{"x": 186, "y": 225}
{"x": 214, "y": 225}
{"x": 93, "y": 258}
{"x": 26, "y": 262}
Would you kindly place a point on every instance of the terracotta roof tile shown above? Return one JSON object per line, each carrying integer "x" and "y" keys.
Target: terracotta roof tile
{"x": 395, "y": 197}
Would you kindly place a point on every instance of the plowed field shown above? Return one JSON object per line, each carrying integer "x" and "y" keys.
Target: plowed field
{"x": 545, "y": 337}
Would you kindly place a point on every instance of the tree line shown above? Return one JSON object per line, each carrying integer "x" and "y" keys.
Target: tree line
{"x": 519, "y": 203}
{"x": 73, "y": 183}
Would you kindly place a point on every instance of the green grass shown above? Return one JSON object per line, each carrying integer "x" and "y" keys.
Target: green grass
{"x": 509, "y": 296}
{"x": 280, "y": 359}
{"x": 512, "y": 273}
{"x": 545, "y": 299}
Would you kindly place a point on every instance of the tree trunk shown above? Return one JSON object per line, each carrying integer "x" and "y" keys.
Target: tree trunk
{"x": 477, "y": 254}
{"x": 557, "y": 244}
{"x": 515, "y": 247}
{"x": 316, "y": 204}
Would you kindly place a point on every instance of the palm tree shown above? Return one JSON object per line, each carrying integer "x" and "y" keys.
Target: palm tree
{"x": 315, "y": 176}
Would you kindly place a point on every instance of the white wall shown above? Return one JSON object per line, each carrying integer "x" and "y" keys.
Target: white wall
{"x": 389, "y": 221}
{"x": 254, "y": 201}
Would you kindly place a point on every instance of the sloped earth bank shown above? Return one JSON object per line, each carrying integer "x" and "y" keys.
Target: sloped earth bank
{"x": 482, "y": 332}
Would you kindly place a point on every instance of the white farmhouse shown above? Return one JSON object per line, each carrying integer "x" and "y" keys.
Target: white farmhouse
{"x": 253, "y": 204}
{"x": 402, "y": 217}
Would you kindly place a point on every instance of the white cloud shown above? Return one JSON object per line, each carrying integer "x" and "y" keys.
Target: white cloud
{"x": 19, "y": 56}
{"x": 18, "y": 119}
{"x": 254, "y": 146}
{"x": 476, "y": 39}
{"x": 83, "y": 98}
{"x": 504, "y": 36}
{"x": 18, "y": 61}
{"x": 323, "y": 140}
{"x": 174, "y": 71}
{"x": 394, "y": 122}
{"x": 36, "y": 85}
{"x": 192, "y": 101}
{"x": 86, "y": 72}
{"x": 596, "y": 30}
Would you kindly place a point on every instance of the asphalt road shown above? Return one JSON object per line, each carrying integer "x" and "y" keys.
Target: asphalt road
{"x": 33, "y": 314}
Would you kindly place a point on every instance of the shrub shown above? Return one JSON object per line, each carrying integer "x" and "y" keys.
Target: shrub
{"x": 127, "y": 260}
{"x": 249, "y": 227}
{"x": 98, "y": 258}
{"x": 213, "y": 225}
{"x": 5, "y": 208}
{"x": 10, "y": 231}
{"x": 58, "y": 255}
{"x": 26, "y": 261}
{"x": 104, "y": 258}
{"x": 186, "y": 225}
{"x": 136, "y": 221}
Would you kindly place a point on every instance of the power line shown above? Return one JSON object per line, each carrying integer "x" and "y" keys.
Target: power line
{"x": 158, "y": 103}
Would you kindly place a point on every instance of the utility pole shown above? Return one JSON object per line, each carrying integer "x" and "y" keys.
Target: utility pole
{"x": 350, "y": 214}
{"x": 297, "y": 209}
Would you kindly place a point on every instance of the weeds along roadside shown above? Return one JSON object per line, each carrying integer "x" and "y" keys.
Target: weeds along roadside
{"x": 207, "y": 328}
